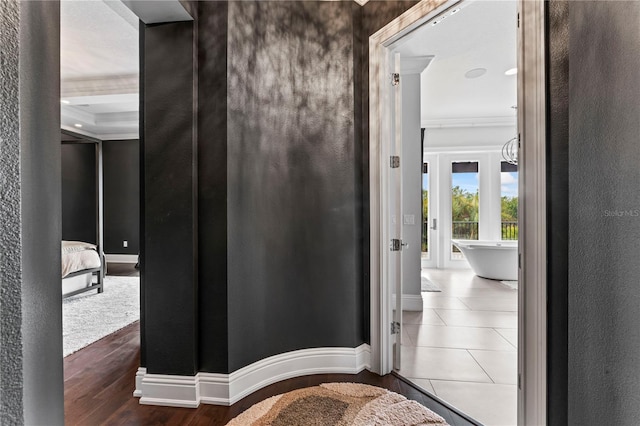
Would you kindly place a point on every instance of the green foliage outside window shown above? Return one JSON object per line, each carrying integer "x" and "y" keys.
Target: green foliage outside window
{"x": 509, "y": 218}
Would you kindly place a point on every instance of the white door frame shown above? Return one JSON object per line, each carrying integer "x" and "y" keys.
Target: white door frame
{"x": 446, "y": 220}
{"x": 434, "y": 213}
{"x": 532, "y": 317}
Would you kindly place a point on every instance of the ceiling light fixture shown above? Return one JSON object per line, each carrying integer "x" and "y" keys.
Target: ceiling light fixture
{"x": 511, "y": 71}
{"x": 443, "y": 16}
{"x": 440, "y": 19}
{"x": 78, "y": 125}
{"x": 475, "y": 73}
{"x": 510, "y": 151}
{"x": 64, "y": 101}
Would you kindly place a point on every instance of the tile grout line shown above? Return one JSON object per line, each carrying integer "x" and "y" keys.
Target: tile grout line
{"x": 477, "y": 362}
{"x": 504, "y": 338}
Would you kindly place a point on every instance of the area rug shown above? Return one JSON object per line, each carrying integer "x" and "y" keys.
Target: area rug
{"x": 427, "y": 285}
{"x": 88, "y": 317}
{"x": 340, "y": 404}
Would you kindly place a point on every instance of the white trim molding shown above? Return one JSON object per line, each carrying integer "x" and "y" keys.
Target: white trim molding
{"x": 532, "y": 299}
{"x": 456, "y": 123}
{"x": 121, "y": 258}
{"x": 227, "y": 389}
{"x": 410, "y": 302}
{"x": 381, "y": 342}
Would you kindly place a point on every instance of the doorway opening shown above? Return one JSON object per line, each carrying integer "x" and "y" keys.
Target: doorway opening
{"x": 469, "y": 193}
{"x": 99, "y": 103}
{"x": 460, "y": 343}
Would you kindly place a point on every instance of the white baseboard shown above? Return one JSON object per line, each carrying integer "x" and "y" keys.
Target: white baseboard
{"x": 410, "y": 302}
{"x": 227, "y": 389}
{"x": 121, "y": 258}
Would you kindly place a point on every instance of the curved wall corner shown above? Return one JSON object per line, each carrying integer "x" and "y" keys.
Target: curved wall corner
{"x": 227, "y": 389}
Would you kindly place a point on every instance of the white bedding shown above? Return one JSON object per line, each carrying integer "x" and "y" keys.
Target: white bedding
{"x": 77, "y": 256}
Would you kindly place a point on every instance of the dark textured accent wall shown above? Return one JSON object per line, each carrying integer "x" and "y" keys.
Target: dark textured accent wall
{"x": 79, "y": 192}
{"x": 169, "y": 253}
{"x": 282, "y": 169}
{"x": 604, "y": 213}
{"x": 558, "y": 208}
{"x": 31, "y": 375}
{"x": 121, "y": 196}
{"x": 292, "y": 210}
{"x": 212, "y": 185}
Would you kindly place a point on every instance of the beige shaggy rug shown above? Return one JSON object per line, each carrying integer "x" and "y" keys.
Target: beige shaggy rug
{"x": 339, "y": 404}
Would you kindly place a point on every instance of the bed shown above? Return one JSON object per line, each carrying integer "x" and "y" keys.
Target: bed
{"x": 81, "y": 262}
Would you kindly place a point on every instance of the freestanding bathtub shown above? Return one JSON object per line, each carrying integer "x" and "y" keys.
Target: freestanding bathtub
{"x": 496, "y": 260}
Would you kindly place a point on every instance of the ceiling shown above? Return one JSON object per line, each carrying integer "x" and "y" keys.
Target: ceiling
{"x": 481, "y": 34}
{"x": 99, "y": 69}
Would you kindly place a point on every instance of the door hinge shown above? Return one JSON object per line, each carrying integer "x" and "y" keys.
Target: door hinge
{"x": 395, "y": 79}
{"x": 395, "y": 327}
{"x": 397, "y": 244}
{"x": 394, "y": 161}
{"x": 518, "y": 23}
{"x": 519, "y": 381}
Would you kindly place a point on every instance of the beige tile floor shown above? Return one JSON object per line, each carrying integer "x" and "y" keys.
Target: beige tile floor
{"x": 463, "y": 346}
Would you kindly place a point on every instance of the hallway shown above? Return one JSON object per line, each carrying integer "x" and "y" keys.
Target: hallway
{"x": 99, "y": 383}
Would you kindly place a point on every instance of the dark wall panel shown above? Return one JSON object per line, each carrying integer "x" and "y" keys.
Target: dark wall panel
{"x": 293, "y": 267}
{"x": 79, "y": 192}
{"x": 169, "y": 255}
{"x": 121, "y": 186}
{"x": 212, "y": 185}
{"x": 558, "y": 208}
{"x": 604, "y": 213}
{"x": 31, "y": 373}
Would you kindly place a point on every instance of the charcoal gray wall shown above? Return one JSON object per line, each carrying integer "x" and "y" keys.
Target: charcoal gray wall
{"x": 558, "y": 209}
{"x": 604, "y": 213}
{"x": 292, "y": 209}
{"x": 169, "y": 255}
{"x": 212, "y": 185}
{"x": 281, "y": 167}
{"x": 121, "y": 196}
{"x": 79, "y": 192}
{"x": 31, "y": 376}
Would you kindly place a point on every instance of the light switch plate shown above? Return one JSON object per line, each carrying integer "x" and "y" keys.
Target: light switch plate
{"x": 409, "y": 219}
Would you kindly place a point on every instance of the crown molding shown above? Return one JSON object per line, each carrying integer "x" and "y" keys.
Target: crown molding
{"x": 441, "y": 123}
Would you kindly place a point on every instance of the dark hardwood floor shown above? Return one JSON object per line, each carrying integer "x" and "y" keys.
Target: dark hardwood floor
{"x": 99, "y": 384}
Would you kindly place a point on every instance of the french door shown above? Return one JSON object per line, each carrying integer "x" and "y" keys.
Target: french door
{"x": 430, "y": 219}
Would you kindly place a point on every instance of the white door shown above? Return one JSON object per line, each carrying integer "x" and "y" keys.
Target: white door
{"x": 395, "y": 205}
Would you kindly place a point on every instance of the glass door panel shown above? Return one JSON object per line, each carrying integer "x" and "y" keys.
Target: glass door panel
{"x": 425, "y": 212}
{"x": 465, "y": 203}
{"x": 508, "y": 201}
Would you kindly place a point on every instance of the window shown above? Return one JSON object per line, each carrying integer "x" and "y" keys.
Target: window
{"x": 509, "y": 201}
{"x": 425, "y": 209}
{"x": 464, "y": 203}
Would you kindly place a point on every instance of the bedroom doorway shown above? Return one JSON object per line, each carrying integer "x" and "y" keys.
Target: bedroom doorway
{"x": 99, "y": 102}
{"x": 385, "y": 212}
